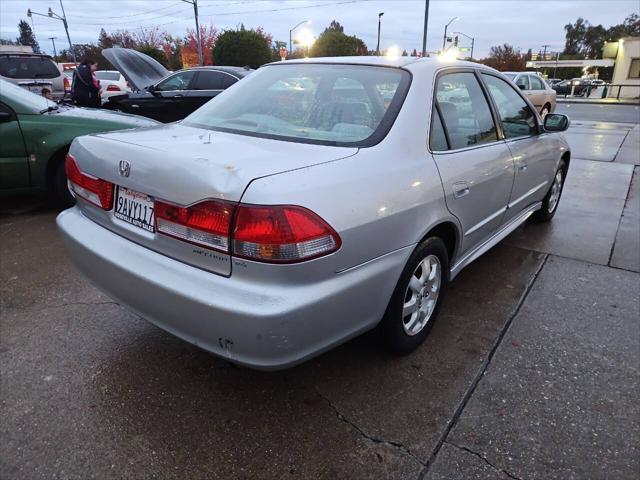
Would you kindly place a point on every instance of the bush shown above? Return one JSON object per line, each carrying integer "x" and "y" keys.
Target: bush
{"x": 240, "y": 48}
{"x": 154, "y": 53}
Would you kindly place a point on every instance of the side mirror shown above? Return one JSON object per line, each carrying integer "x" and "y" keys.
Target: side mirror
{"x": 5, "y": 117}
{"x": 522, "y": 87}
{"x": 556, "y": 122}
{"x": 152, "y": 89}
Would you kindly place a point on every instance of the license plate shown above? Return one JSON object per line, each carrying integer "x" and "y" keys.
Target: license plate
{"x": 135, "y": 208}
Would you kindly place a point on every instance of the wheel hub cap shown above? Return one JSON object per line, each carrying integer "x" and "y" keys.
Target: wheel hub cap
{"x": 421, "y": 295}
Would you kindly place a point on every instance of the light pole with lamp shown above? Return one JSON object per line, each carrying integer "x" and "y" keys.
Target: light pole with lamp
{"x": 379, "y": 22}
{"x": 470, "y": 38}
{"x": 444, "y": 41}
{"x": 53, "y": 41}
{"x": 308, "y": 22}
{"x": 63, "y": 19}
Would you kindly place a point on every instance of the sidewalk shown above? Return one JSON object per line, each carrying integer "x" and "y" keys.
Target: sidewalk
{"x": 599, "y": 101}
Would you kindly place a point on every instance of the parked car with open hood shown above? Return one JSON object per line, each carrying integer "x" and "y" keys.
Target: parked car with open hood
{"x": 313, "y": 201}
{"x": 35, "y": 134}
{"x": 162, "y": 95}
{"x": 539, "y": 92}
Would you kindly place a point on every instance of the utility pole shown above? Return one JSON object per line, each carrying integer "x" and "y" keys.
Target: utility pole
{"x": 55, "y": 55}
{"x": 63, "y": 19}
{"x": 544, "y": 53}
{"x": 195, "y": 13}
{"x": 424, "y": 33}
{"x": 444, "y": 40}
{"x": 378, "y": 44}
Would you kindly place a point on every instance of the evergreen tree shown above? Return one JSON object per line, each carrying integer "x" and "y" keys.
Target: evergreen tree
{"x": 26, "y": 36}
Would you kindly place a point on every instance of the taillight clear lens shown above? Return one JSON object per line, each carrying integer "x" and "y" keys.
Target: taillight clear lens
{"x": 94, "y": 190}
{"x": 281, "y": 234}
{"x": 207, "y": 223}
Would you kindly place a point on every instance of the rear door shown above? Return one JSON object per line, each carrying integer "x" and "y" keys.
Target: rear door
{"x": 14, "y": 164}
{"x": 208, "y": 84}
{"x": 475, "y": 164}
{"x": 533, "y": 155}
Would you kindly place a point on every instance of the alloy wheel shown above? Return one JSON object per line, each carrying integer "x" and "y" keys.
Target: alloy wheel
{"x": 421, "y": 296}
{"x": 556, "y": 188}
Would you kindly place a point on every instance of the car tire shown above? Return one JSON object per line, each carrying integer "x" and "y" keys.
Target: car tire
{"x": 60, "y": 188}
{"x": 545, "y": 110}
{"x": 552, "y": 198}
{"x": 410, "y": 314}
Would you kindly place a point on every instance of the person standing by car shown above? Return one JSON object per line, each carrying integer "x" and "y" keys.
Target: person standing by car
{"x": 85, "y": 89}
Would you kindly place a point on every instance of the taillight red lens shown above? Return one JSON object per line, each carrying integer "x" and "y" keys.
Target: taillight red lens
{"x": 67, "y": 83}
{"x": 207, "y": 223}
{"x": 281, "y": 234}
{"x": 113, "y": 88}
{"x": 94, "y": 190}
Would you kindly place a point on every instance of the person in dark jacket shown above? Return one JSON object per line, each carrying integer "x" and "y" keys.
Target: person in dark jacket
{"x": 85, "y": 89}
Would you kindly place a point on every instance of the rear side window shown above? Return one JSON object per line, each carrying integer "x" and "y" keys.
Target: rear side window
{"x": 210, "y": 80}
{"x": 19, "y": 66}
{"x": 465, "y": 111}
{"x": 536, "y": 83}
{"x": 437, "y": 138}
{"x": 516, "y": 117}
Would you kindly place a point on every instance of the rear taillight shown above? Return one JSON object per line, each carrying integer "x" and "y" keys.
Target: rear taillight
{"x": 113, "y": 88}
{"x": 281, "y": 234}
{"x": 275, "y": 234}
{"x": 67, "y": 84}
{"x": 94, "y": 190}
{"x": 207, "y": 223}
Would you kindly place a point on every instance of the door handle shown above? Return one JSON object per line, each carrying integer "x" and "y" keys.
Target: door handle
{"x": 460, "y": 189}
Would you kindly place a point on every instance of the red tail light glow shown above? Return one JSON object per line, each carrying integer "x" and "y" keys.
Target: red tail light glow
{"x": 207, "y": 223}
{"x": 113, "y": 88}
{"x": 67, "y": 84}
{"x": 281, "y": 234}
{"x": 94, "y": 190}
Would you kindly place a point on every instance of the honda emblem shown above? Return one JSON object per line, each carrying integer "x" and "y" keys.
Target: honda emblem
{"x": 124, "y": 168}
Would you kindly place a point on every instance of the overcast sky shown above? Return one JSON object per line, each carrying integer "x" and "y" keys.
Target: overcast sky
{"x": 524, "y": 24}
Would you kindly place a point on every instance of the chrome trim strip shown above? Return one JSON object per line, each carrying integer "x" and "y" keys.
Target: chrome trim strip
{"x": 530, "y": 192}
{"x": 496, "y": 238}
{"x": 478, "y": 226}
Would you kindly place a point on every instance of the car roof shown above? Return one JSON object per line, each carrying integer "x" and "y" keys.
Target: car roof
{"x": 238, "y": 71}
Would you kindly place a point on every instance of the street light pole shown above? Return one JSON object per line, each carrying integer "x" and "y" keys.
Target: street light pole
{"x": 424, "y": 34}
{"x": 63, "y": 19}
{"x": 379, "y": 22}
{"x": 291, "y": 34}
{"x": 444, "y": 40}
{"x": 55, "y": 55}
{"x": 195, "y": 13}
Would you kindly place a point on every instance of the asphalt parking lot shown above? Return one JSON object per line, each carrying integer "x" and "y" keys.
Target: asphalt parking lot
{"x": 530, "y": 372}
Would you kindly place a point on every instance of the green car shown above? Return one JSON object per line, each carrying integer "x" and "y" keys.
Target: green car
{"x": 35, "y": 135}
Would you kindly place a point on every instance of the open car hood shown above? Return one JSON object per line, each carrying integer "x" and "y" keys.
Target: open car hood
{"x": 139, "y": 69}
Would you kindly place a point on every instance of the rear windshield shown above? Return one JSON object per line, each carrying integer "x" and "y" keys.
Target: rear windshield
{"x": 19, "y": 66}
{"x": 328, "y": 104}
{"x": 108, "y": 75}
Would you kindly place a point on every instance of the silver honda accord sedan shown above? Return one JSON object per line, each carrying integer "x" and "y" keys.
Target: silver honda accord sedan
{"x": 311, "y": 202}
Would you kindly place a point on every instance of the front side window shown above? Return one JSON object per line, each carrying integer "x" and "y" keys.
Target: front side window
{"x": 516, "y": 117}
{"x": 465, "y": 111}
{"x": 536, "y": 82}
{"x": 634, "y": 68}
{"x": 329, "y": 104}
{"x": 179, "y": 81}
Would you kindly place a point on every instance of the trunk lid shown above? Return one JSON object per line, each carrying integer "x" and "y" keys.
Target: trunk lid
{"x": 186, "y": 165}
{"x": 139, "y": 69}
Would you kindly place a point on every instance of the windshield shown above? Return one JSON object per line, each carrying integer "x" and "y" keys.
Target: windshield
{"x": 21, "y": 66}
{"x": 104, "y": 75}
{"x": 13, "y": 94}
{"x": 330, "y": 104}
{"x": 510, "y": 76}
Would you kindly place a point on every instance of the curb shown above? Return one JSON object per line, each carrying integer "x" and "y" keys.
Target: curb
{"x": 598, "y": 102}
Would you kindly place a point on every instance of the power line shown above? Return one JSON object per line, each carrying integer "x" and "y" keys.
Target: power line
{"x": 130, "y": 15}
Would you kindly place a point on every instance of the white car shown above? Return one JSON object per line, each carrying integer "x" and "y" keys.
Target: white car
{"x": 112, "y": 83}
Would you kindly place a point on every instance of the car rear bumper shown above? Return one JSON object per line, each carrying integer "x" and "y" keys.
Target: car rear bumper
{"x": 260, "y": 325}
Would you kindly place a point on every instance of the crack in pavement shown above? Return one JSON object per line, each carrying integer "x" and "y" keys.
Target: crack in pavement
{"x": 482, "y": 370}
{"x": 484, "y": 459}
{"x": 381, "y": 441}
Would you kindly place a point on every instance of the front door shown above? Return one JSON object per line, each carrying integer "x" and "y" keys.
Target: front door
{"x": 14, "y": 162}
{"x": 475, "y": 166}
{"x": 532, "y": 155}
